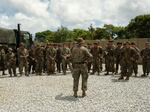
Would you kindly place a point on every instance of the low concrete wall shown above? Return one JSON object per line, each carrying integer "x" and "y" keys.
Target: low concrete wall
{"x": 140, "y": 42}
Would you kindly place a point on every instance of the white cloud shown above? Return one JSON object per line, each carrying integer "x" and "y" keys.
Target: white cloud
{"x": 39, "y": 15}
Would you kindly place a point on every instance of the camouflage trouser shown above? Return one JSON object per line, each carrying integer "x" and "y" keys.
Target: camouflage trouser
{"x": 80, "y": 69}
{"x": 126, "y": 69}
{"x": 64, "y": 65}
{"x": 146, "y": 66}
{"x": 11, "y": 67}
{"x": 32, "y": 65}
{"x": 96, "y": 65}
{"x": 50, "y": 66}
{"x": 117, "y": 64}
{"x": 22, "y": 64}
{"x": 89, "y": 64}
{"x": 110, "y": 63}
{"x": 135, "y": 67}
{"x": 39, "y": 66}
{"x": 101, "y": 64}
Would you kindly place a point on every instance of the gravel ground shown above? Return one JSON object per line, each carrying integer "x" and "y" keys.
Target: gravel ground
{"x": 54, "y": 94}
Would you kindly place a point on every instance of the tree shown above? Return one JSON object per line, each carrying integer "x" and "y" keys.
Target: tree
{"x": 101, "y": 33}
{"x": 91, "y": 30}
{"x": 81, "y": 33}
{"x": 43, "y": 36}
{"x": 139, "y": 27}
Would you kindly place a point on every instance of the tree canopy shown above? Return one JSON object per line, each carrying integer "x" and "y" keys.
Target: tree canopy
{"x": 139, "y": 27}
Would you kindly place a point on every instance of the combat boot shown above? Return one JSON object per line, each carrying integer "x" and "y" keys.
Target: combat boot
{"x": 127, "y": 78}
{"x": 121, "y": 78}
{"x": 83, "y": 94}
{"x": 75, "y": 94}
{"x": 143, "y": 75}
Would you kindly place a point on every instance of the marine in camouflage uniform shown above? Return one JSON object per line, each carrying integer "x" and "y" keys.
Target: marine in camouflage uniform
{"x": 11, "y": 62}
{"x": 59, "y": 58}
{"x": 118, "y": 51}
{"x": 50, "y": 57}
{"x": 2, "y": 59}
{"x": 109, "y": 55}
{"x": 135, "y": 61}
{"x": 80, "y": 55}
{"x": 97, "y": 52}
{"x": 31, "y": 60}
{"x": 145, "y": 54}
{"x": 89, "y": 62}
{"x": 22, "y": 58}
{"x": 39, "y": 59}
{"x": 44, "y": 58}
{"x": 66, "y": 59}
{"x": 127, "y": 57}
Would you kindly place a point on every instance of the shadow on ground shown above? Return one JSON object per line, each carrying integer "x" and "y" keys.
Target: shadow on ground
{"x": 65, "y": 98}
{"x": 116, "y": 80}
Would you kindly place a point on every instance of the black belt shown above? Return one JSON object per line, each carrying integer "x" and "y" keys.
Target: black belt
{"x": 79, "y": 63}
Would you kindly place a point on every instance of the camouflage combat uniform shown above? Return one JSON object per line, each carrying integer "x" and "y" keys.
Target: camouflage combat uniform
{"x": 97, "y": 52}
{"x": 80, "y": 55}
{"x": 109, "y": 55}
{"x": 118, "y": 51}
{"x": 2, "y": 60}
{"x": 23, "y": 61}
{"x": 31, "y": 60}
{"x": 65, "y": 59}
{"x": 128, "y": 55}
{"x": 50, "y": 58}
{"x": 11, "y": 62}
{"x": 38, "y": 60}
{"x": 58, "y": 58}
{"x": 145, "y": 54}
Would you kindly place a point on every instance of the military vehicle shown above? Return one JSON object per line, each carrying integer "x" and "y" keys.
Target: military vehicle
{"x": 12, "y": 38}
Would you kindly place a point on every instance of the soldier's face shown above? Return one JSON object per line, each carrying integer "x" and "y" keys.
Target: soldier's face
{"x": 127, "y": 45}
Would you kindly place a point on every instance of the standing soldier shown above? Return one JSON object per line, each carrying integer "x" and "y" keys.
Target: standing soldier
{"x": 66, "y": 58}
{"x": 118, "y": 51}
{"x": 50, "y": 57}
{"x": 22, "y": 58}
{"x": 135, "y": 61}
{"x": 39, "y": 59}
{"x": 80, "y": 55}
{"x": 11, "y": 62}
{"x": 2, "y": 59}
{"x": 31, "y": 60}
{"x": 96, "y": 51}
{"x": 109, "y": 55}
{"x": 44, "y": 58}
{"x": 127, "y": 56}
{"x": 58, "y": 58}
{"x": 145, "y": 54}
{"x": 89, "y": 63}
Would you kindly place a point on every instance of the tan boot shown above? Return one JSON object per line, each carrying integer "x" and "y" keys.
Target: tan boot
{"x": 83, "y": 94}
{"x": 75, "y": 94}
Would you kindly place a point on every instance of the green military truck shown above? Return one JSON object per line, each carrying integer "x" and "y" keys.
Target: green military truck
{"x": 13, "y": 37}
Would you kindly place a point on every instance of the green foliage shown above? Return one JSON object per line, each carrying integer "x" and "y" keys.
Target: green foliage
{"x": 139, "y": 27}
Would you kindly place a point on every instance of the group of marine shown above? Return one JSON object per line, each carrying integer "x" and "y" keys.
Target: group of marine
{"x": 80, "y": 58}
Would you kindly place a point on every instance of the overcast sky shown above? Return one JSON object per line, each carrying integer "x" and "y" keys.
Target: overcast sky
{"x": 40, "y": 15}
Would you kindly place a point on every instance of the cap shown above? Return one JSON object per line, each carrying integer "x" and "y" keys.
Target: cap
{"x": 80, "y": 40}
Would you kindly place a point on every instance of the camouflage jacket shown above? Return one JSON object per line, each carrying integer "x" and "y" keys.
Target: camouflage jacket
{"x": 145, "y": 54}
{"x": 11, "y": 58}
{"x": 80, "y": 54}
{"x": 96, "y": 52}
{"x": 129, "y": 55}
{"x": 50, "y": 53}
{"x": 22, "y": 54}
